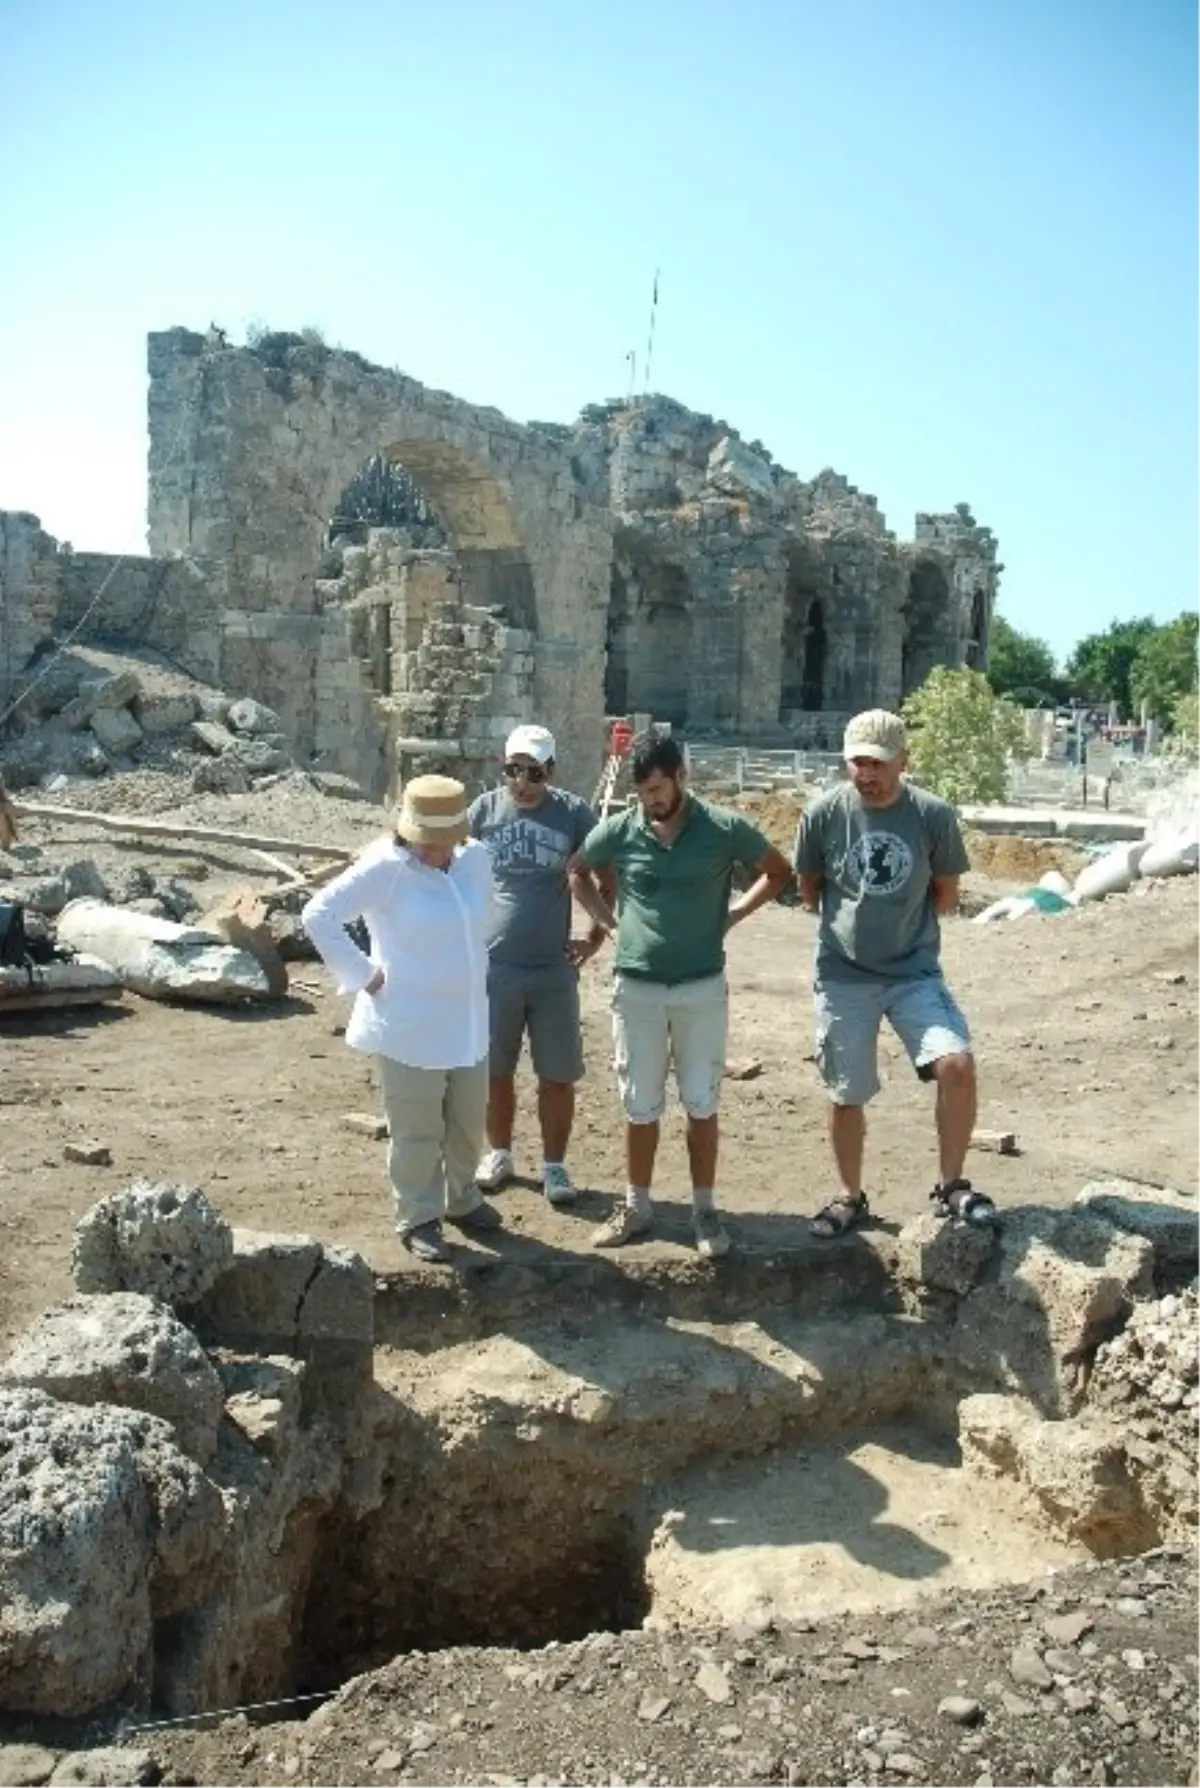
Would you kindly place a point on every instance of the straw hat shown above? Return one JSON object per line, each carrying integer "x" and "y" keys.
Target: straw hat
{"x": 433, "y": 810}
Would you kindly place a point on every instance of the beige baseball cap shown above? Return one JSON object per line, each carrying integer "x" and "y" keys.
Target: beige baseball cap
{"x": 877, "y": 734}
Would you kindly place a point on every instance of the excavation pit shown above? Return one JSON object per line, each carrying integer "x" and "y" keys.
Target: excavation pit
{"x": 519, "y": 1452}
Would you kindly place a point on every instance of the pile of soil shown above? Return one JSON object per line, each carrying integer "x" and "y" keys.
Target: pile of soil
{"x": 1007, "y": 857}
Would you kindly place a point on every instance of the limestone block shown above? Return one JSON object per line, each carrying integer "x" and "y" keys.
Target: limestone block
{"x": 166, "y": 1241}
{"x": 105, "y": 693}
{"x": 1077, "y": 1468}
{"x": 243, "y": 919}
{"x": 945, "y": 1256}
{"x": 249, "y": 716}
{"x": 26, "y": 1766}
{"x": 219, "y": 776}
{"x": 1065, "y": 1280}
{"x": 116, "y": 731}
{"x": 163, "y": 713}
{"x": 213, "y": 706}
{"x": 258, "y": 757}
{"x": 123, "y": 1348}
{"x": 1168, "y": 1220}
{"x": 75, "y": 1620}
{"x": 211, "y": 736}
{"x": 161, "y": 959}
{"x": 255, "y": 1301}
{"x": 106, "y": 1766}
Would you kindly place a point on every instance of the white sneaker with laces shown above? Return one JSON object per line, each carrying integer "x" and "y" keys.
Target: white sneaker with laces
{"x": 495, "y": 1170}
{"x": 624, "y": 1224}
{"x": 557, "y": 1183}
{"x": 711, "y": 1238}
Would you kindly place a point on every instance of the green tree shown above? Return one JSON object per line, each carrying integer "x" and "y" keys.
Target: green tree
{"x": 1021, "y": 667}
{"x": 1165, "y": 667}
{"x": 1184, "y": 739}
{"x": 1101, "y": 665}
{"x": 962, "y": 736}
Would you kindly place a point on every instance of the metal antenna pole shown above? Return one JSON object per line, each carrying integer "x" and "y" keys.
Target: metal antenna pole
{"x": 650, "y": 337}
{"x": 632, "y": 359}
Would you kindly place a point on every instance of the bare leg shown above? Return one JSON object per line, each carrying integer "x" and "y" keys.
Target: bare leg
{"x": 501, "y": 1111}
{"x": 556, "y": 1113}
{"x": 641, "y": 1146}
{"x": 956, "y": 1102}
{"x": 848, "y": 1135}
{"x": 703, "y": 1135}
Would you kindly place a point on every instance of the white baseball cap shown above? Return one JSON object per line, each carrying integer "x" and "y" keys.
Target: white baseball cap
{"x": 877, "y": 734}
{"x": 530, "y": 741}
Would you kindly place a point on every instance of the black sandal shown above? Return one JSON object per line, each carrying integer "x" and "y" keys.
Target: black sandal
{"x": 839, "y": 1217}
{"x": 958, "y": 1198}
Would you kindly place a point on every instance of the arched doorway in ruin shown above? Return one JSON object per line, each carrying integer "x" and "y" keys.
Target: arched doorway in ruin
{"x": 804, "y": 641}
{"x": 648, "y": 664}
{"x": 429, "y": 619}
{"x": 925, "y": 612}
{"x": 977, "y": 637}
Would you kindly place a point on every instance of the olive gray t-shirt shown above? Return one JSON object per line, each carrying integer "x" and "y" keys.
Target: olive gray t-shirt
{"x": 529, "y": 848}
{"x": 878, "y": 863}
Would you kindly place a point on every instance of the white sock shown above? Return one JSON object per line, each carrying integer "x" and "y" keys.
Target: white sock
{"x": 702, "y": 1198}
{"x": 637, "y": 1198}
{"x": 546, "y": 1162}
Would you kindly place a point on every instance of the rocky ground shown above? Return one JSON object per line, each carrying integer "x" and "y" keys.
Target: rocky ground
{"x": 1086, "y": 1027}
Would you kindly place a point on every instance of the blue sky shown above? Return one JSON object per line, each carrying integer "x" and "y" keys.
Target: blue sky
{"x": 946, "y": 246}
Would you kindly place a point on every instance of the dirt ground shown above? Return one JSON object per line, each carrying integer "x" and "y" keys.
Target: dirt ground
{"x": 1085, "y": 1025}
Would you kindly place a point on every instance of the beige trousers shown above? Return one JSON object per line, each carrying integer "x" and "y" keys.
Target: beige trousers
{"x": 436, "y": 1125}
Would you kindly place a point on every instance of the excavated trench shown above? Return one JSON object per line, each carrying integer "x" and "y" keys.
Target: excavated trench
{"x": 769, "y": 1443}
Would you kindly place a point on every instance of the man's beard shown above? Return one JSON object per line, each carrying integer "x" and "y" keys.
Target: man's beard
{"x": 671, "y": 811}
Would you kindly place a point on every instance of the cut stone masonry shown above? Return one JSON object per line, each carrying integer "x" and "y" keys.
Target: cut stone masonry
{"x": 644, "y": 559}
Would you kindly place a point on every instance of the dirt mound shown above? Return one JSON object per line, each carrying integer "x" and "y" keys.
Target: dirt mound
{"x": 776, "y": 812}
{"x": 1008, "y": 857}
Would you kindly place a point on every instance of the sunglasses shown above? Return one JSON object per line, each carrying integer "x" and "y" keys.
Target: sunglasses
{"x": 531, "y": 772}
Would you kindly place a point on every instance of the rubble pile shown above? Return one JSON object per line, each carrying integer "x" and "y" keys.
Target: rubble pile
{"x": 1145, "y": 1378}
{"x": 91, "y": 712}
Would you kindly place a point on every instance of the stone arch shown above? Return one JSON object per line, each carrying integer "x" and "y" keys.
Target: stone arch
{"x": 804, "y": 643}
{"x": 648, "y": 667}
{"x": 926, "y": 607}
{"x": 250, "y": 449}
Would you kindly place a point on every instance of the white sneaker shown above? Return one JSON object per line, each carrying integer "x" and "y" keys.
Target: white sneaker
{"x": 711, "y": 1239}
{"x": 495, "y": 1170}
{"x": 624, "y": 1224}
{"x": 557, "y": 1183}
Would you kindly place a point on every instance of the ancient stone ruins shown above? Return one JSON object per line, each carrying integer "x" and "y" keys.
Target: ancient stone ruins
{"x": 265, "y": 1460}
{"x": 643, "y": 560}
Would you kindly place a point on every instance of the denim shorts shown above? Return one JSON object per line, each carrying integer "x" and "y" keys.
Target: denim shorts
{"x": 922, "y": 1012}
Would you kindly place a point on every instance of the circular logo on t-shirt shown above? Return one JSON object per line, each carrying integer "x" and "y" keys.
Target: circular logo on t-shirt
{"x": 881, "y": 862}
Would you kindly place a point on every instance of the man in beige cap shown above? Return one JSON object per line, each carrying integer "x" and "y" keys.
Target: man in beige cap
{"x": 425, "y": 894}
{"x": 879, "y": 861}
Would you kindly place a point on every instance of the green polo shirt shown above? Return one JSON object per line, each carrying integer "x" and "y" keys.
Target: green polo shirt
{"x": 674, "y": 898}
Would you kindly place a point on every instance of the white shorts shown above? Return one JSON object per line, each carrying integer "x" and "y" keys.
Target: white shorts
{"x": 922, "y": 1013}
{"x": 655, "y": 1028}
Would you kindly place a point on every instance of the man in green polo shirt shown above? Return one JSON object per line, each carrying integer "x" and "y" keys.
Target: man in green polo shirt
{"x": 674, "y": 857}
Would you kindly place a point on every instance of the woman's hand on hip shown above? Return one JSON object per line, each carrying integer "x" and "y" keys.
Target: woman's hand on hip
{"x": 375, "y": 983}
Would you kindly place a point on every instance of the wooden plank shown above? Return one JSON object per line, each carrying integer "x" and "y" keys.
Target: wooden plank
{"x": 144, "y": 828}
{"x": 39, "y": 1000}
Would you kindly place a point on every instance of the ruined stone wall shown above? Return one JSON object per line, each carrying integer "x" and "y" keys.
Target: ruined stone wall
{"x": 249, "y": 451}
{"x": 29, "y": 594}
{"x": 645, "y": 559}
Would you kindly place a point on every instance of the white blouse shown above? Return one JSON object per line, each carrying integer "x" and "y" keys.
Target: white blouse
{"x": 429, "y": 931}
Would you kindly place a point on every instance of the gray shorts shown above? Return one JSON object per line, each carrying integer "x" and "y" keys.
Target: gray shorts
{"x": 544, "y": 1002}
{"x": 921, "y": 1012}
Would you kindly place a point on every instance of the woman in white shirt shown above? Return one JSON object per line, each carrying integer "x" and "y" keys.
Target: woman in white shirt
{"x": 425, "y": 895}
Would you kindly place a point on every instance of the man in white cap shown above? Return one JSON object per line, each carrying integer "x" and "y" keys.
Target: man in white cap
{"x": 879, "y": 861}
{"x": 531, "y": 829}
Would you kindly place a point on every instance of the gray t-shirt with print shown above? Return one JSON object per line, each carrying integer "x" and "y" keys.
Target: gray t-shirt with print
{"x": 530, "y": 848}
{"x": 877, "y": 866}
